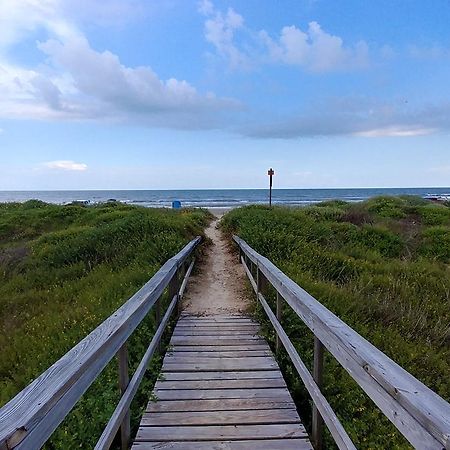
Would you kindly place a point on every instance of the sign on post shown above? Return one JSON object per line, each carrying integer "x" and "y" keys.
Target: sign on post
{"x": 271, "y": 173}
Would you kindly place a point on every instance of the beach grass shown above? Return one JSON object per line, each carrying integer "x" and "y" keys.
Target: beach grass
{"x": 63, "y": 270}
{"x": 383, "y": 266}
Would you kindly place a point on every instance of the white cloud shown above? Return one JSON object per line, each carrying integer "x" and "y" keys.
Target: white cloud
{"x": 314, "y": 49}
{"x": 396, "y": 131}
{"x": 66, "y": 165}
{"x": 206, "y": 7}
{"x": 77, "y": 82}
{"x": 220, "y": 29}
{"x": 101, "y": 77}
{"x": 354, "y": 116}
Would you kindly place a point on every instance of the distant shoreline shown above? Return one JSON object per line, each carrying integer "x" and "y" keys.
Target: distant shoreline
{"x": 215, "y": 198}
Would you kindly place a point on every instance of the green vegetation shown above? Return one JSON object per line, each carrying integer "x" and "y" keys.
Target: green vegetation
{"x": 63, "y": 270}
{"x": 383, "y": 266}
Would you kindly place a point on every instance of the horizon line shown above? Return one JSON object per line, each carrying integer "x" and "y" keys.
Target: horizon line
{"x": 226, "y": 189}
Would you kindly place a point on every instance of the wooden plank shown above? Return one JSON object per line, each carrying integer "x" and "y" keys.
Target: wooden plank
{"x": 213, "y": 348}
{"x": 186, "y": 316}
{"x": 244, "y": 363}
{"x": 239, "y": 417}
{"x": 212, "y": 321}
{"x": 215, "y": 333}
{"x": 268, "y": 444}
{"x": 253, "y": 375}
{"x": 418, "y": 413}
{"x": 219, "y": 340}
{"x": 222, "y": 384}
{"x": 217, "y": 365}
{"x": 230, "y": 404}
{"x": 219, "y": 354}
{"x": 31, "y": 416}
{"x": 213, "y": 394}
{"x": 220, "y": 326}
{"x": 225, "y": 432}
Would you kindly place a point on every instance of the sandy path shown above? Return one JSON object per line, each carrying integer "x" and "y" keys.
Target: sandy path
{"x": 218, "y": 286}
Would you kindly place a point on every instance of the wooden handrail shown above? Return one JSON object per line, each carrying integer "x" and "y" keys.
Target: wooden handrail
{"x": 417, "y": 412}
{"x": 28, "y": 420}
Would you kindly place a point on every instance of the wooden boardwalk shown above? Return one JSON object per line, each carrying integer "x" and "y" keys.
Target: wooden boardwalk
{"x": 220, "y": 388}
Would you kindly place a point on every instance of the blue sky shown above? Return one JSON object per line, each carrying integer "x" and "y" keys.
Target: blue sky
{"x": 171, "y": 94}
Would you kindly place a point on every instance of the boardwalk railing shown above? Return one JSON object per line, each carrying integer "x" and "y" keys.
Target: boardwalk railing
{"x": 417, "y": 412}
{"x": 29, "y": 419}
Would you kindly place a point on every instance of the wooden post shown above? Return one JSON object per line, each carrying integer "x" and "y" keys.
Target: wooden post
{"x": 279, "y": 314}
{"x": 173, "y": 289}
{"x": 317, "y": 421}
{"x": 158, "y": 319}
{"x": 258, "y": 286}
{"x": 124, "y": 379}
{"x": 271, "y": 173}
{"x": 263, "y": 284}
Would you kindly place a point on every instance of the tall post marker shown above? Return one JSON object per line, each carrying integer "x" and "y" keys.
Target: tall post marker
{"x": 271, "y": 173}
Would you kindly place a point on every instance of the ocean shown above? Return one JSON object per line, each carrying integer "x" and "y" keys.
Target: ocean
{"x": 215, "y": 198}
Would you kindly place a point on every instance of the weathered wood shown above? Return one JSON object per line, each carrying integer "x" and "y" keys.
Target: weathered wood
{"x": 335, "y": 427}
{"x": 210, "y": 320}
{"x": 199, "y": 375}
{"x": 30, "y": 418}
{"x": 317, "y": 421}
{"x": 221, "y": 348}
{"x": 158, "y": 318}
{"x": 239, "y": 417}
{"x": 267, "y": 444}
{"x": 217, "y": 365}
{"x": 259, "y": 361}
{"x": 124, "y": 379}
{"x": 279, "y": 312}
{"x": 248, "y": 328}
{"x": 214, "y": 394}
{"x": 419, "y": 414}
{"x": 214, "y": 333}
{"x": 123, "y": 407}
{"x": 218, "y": 326}
{"x": 218, "y": 354}
{"x": 186, "y": 278}
{"x": 218, "y": 341}
{"x": 222, "y": 384}
{"x": 228, "y": 391}
{"x": 225, "y": 432}
{"x": 224, "y": 404}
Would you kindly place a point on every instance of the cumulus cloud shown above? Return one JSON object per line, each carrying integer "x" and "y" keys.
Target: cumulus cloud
{"x": 220, "y": 30}
{"x": 79, "y": 82}
{"x": 66, "y": 165}
{"x": 314, "y": 49}
{"x": 102, "y": 77}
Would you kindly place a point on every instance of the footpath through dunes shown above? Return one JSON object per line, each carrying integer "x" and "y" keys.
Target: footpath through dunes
{"x": 219, "y": 285}
{"x": 220, "y": 386}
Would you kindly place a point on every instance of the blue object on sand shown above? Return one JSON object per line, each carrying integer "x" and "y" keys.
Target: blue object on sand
{"x": 176, "y": 204}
